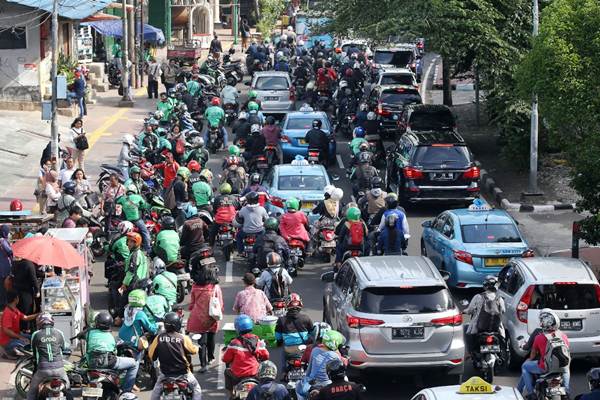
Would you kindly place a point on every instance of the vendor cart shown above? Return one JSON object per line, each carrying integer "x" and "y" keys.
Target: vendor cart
{"x": 188, "y": 54}
{"x": 63, "y": 305}
{"x": 22, "y": 222}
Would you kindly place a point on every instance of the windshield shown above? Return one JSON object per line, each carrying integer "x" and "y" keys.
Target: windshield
{"x": 490, "y": 233}
{"x": 304, "y": 123}
{"x": 397, "y": 79}
{"x": 346, "y": 47}
{"x": 431, "y": 121}
{"x": 271, "y": 83}
{"x": 567, "y": 296}
{"x": 406, "y": 96}
{"x": 395, "y": 58}
{"x": 301, "y": 182}
{"x": 435, "y": 156}
{"x": 393, "y": 300}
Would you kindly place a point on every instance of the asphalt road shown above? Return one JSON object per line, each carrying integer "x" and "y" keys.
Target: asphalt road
{"x": 388, "y": 385}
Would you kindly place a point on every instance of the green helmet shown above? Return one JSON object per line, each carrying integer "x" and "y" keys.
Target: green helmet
{"x": 225, "y": 188}
{"x": 234, "y": 150}
{"x": 183, "y": 172}
{"x": 137, "y": 298}
{"x": 252, "y": 95}
{"x": 333, "y": 339}
{"x": 272, "y": 224}
{"x": 353, "y": 214}
{"x": 292, "y": 204}
{"x": 131, "y": 189}
{"x": 253, "y": 106}
{"x": 135, "y": 170}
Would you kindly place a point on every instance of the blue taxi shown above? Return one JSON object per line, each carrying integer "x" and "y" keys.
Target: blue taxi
{"x": 293, "y": 131}
{"x": 471, "y": 243}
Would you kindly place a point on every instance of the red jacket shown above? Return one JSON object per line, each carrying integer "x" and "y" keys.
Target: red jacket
{"x": 169, "y": 172}
{"x": 292, "y": 225}
{"x": 242, "y": 362}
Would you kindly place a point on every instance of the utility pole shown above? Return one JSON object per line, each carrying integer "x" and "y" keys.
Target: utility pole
{"x": 533, "y": 157}
{"x": 235, "y": 21}
{"x": 136, "y": 43}
{"x": 141, "y": 41}
{"x": 132, "y": 48}
{"x": 126, "y": 100}
{"x": 53, "y": 72}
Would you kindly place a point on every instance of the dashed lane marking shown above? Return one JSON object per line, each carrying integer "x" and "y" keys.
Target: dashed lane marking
{"x": 340, "y": 161}
{"x": 228, "y": 271}
{"x": 220, "y": 371}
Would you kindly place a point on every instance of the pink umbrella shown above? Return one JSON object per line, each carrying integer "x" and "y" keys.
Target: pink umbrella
{"x": 46, "y": 250}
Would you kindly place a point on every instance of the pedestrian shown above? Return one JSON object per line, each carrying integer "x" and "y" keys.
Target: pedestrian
{"x": 252, "y": 301}
{"x": 79, "y": 89}
{"x": 200, "y": 321}
{"x": 52, "y": 191}
{"x": 215, "y": 47}
{"x": 66, "y": 173}
{"x": 245, "y": 34}
{"x": 111, "y": 193}
{"x": 78, "y": 142}
{"x": 82, "y": 185}
{"x": 26, "y": 284}
{"x": 170, "y": 72}
{"x": 154, "y": 72}
{"x": 6, "y": 261}
{"x": 12, "y": 338}
{"x": 40, "y": 188}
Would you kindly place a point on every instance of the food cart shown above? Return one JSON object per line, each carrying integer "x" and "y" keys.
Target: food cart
{"x": 22, "y": 222}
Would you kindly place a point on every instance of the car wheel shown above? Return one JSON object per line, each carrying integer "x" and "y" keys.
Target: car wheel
{"x": 423, "y": 249}
{"x": 514, "y": 361}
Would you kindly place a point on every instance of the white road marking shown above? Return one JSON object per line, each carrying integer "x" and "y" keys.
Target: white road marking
{"x": 220, "y": 372}
{"x": 228, "y": 271}
{"x": 425, "y": 78}
{"x": 339, "y": 160}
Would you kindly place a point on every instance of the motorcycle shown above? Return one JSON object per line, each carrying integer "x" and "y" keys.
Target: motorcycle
{"x": 550, "y": 386}
{"x": 202, "y": 258}
{"x": 279, "y": 309}
{"x": 176, "y": 389}
{"x": 114, "y": 74}
{"x": 233, "y": 72}
{"x": 101, "y": 384}
{"x": 243, "y": 388}
{"x": 260, "y": 165}
{"x": 248, "y": 253}
{"x": 297, "y": 253}
{"x": 148, "y": 367}
{"x": 487, "y": 354}
{"x": 346, "y": 124}
{"x": 230, "y": 113}
{"x": 215, "y": 139}
{"x": 52, "y": 388}
{"x": 225, "y": 240}
{"x": 313, "y": 156}
{"x": 184, "y": 284}
{"x": 326, "y": 242}
{"x": 294, "y": 370}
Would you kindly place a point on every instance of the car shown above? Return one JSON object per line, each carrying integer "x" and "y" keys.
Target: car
{"x": 474, "y": 388}
{"x": 388, "y": 101}
{"x": 295, "y": 125}
{"x": 397, "y": 313}
{"x": 568, "y": 286}
{"x": 399, "y": 56}
{"x": 275, "y": 91}
{"x": 432, "y": 167}
{"x": 301, "y": 180}
{"x": 360, "y": 44}
{"x": 472, "y": 243}
{"x": 396, "y": 77}
{"x": 425, "y": 118}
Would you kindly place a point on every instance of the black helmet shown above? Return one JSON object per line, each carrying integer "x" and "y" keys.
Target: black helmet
{"x": 490, "y": 282}
{"x": 336, "y": 371}
{"x": 168, "y": 223}
{"x": 317, "y": 123}
{"x": 391, "y": 220}
{"x": 376, "y": 182}
{"x": 69, "y": 187}
{"x": 364, "y": 157}
{"x": 270, "y": 120}
{"x": 391, "y": 202}
{"x": 172, "y": 322}
{"x": 103, "y": 321}
{"x": 252, "y": 198}
{"x": 272, "y": 224}
{"x": 255, "y": 179}
{"x": 593, "y": 377}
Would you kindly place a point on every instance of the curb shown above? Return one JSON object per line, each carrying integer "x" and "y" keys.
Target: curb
{"x": 489, "y": 184}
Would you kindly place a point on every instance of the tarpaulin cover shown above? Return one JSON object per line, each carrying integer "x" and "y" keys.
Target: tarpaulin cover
{"x": 115, "y": 28}
{"x": 72, "y": 9}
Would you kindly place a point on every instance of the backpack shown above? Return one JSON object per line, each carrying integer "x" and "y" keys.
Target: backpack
{"x": 234, "y": 179}
{"x": 557, "y": 356}
{"x": 356, "y": 234}
{"x": 169, "y": 198}
{"x": 253, "y": 118}
{"x": 269, "y": 393}
{"x": 364, "y": 175}
{"x": 489, "y": 315}
{"x": 277, "y": 288}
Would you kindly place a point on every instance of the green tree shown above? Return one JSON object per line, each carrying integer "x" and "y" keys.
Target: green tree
{"x": 270, "y": 11}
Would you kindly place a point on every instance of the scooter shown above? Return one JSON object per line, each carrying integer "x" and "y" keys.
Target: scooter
{"x": 294, "y": 370}
{"x": 313, "y": 156}
{"x": 243, "y": 388}
{"x": 326, "y": 242}
{"x": 224, "y": 240}
{"x": 487, "y": 354}
{"x": 215, "y": 139}
{"x": 279, "y": 309}
{"x": 297, "y": 253}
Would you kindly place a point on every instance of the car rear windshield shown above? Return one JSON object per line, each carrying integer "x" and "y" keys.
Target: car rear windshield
{"x": 565, "y": 296}
{"x": 402, "y": 97}
{"x": 303, "y": 123}
{"x": 301, "y": 182}
{"x": 271, "y": 83}
{"x": 395, "y": 300}
{"x": 431, "y": 121}
{"x": 490, "y": 233}
{"x": 436, "y": 156}
{"x": 346, "y": 47}
{"x": 397, "y": 79}
{"x": 396, "y": 58}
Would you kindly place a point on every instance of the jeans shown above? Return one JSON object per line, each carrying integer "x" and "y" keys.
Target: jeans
{"x": 131, "y": 366}
{"x": 531, "y": 368}
{"x": 82, "y": 106}
{"x": 189, "y": 377}
{"x": 40, "y": 376}
{"x": 152, "y": 88}
{"x": 239, "y": 239}
{"x": 145, "y": 234}
{"x": 14, "y": 343}
{"x": 125, "y": 173}
{"x": 223, "y": 132}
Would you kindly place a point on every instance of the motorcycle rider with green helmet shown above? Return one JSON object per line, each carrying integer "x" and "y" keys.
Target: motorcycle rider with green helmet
{"x": 166, "y": 245}
{"x": 215, "y": 117}
{"x": 133, "y": 205}
{"x": 349, "y": 232}
{"x": 136, "y": 322}
{"x": 135, "y": 178}
{"x": 270, "y": 241}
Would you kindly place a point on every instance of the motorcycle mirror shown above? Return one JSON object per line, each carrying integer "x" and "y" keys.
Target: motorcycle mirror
{"x": 445, "y": 274}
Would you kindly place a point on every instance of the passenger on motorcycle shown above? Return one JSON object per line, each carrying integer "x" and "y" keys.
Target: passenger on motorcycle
{"x": 136, "y": 323}
{"x": 358, "y": 135}
{"x": 202, "y": 190}
{"x": 172, "y": 350}
{"x": 243, "y": 353}
{"x": 194, "y": 88}
{"x": 361, "y": 115}
{"x": 294, "y": 223}
{"x": 536, "y": 363}
{"x": 156, "y": 308}
{"x": 135, "y": 178}
{"x": 373, "y": 200}
{"x": 268, "y": 388}
{"x": 315, "y": 339}
{"x": 215, "y": 117}
{"x": 198, "y": 153}
{"x": 318, "y": 139}
{"x": 281, "y": 64}
{"x": 234, "y": 159}
{"x": 255, "y": 116}
{"x": 274, "y": 280}
{"x": 293, "y": 329}
{"x": 330, "y": 206}
{"x": 133, "y": 205}
{"x": 224, "y": 207}
{"x": 66, "y": 202}
{"x": 481, "y": 320}
{"x": 391, "y": 208}
{"x": 272, "y": 135}
{"x": 241, "y": 128}
{"x": 165, "y": 284}
{"x": 166, "y": 246}
{"x": 270, "y": 242}
{"x": 194, "y": 233}
{"x": 351, "y": 235}
{"x": 593, "y": 377}
{"x": 230, "y": 95}
{"x": 339, "y": 388}
{"x": 181, "y": 193}
{"x": 250, "y": 219}
{"x": 391, "y": 237}
{"x": 363, "y": 174}
{"x": 136, "y": 265}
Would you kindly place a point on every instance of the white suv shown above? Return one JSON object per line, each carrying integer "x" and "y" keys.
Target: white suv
{"x": 396, "y": 77}
{"x": 565, "y": 285}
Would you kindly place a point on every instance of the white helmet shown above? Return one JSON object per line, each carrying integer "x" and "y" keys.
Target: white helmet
{"x": 290, "y": 29}
{"x": 549, "y": 321}
{"x": 255, "y": 128}
{"x": 243, "y": 115}
{"x": 364, "y": 106}
{"x": 300, "y": 42}
{"x": 129, "y": 139}
{"x": 306, "y": 108}
{"x": 343, "y": 84}
{"x": 283, "y": 37}
{"x": 125, "y": 227}
{"x": 328, "y": 189}
{"x": 197, "y": 141}
{"x": 337, "y": 194}
{"x": 371, "y": 116}
{"x": 158, "y": 115}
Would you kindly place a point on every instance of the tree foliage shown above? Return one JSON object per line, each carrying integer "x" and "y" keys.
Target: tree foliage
{"x": 270, "y": 11}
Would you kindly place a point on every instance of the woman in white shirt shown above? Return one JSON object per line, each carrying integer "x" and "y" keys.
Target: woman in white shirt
{"x": 52, "y": 190}
{"x": 82, "y": 185}
{"x": 75, "y": 132}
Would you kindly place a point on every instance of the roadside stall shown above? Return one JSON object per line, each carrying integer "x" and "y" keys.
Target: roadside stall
{"x": 22, "y": 222}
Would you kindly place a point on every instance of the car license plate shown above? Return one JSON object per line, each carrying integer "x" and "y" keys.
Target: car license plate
{"x": 571, "y": 324}
{"x": 441, "y": 176}
{"x": 91, "y": 392}
{"x": 493, "y": 348}
{"x": 271, "y": 98}
{"x": 296, "y": 375}
{"x": 496, "y": 262}
{"x": 183, "y": 277}
{"x": 262, "y": 166}
{"x": 308, "y": 205}
{"x": 417, "y": 332}
{"x": 208, "y": 261}
{"x": 328, "y": 244}
{"x": 301, "y": 141}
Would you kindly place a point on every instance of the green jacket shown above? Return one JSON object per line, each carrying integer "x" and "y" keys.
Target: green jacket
{"x": 119, "y": 248}
{"x": 142, "y": 137}
{"x": 214, "y": 115}
{"x": 193, "y": 88}
{"x": 100, "y": 342}
{"x": 166, "y": 107}
{"x": 167, "y": 245}
{"x": 156, "y": 307}
{"x": 165, "y": 284}
{"x": 355, "y": 144}
{"x": 202, "y": 193}
{"x": 139, "y": 267}
{"x": 132, "y": 204}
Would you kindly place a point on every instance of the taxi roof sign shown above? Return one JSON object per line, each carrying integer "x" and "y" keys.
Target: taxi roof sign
{"x": 479, "y": 205}
{"x": 476, "y": 385}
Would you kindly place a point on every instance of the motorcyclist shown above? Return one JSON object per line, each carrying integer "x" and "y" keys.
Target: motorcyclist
{"x": 133, "y": 205}
{"x": 66, "y": 202}
{"x": 194, "y": 88}
{"x": 593, "y": 377}
{"x": 282, "y": 63}
{"x": 187, "y": 98}
{"x": 254, "y": 185}
{"x": 268, "y": 387}
{"x": 243, "y": 353}
{"x": 135, "y": 178}
{"x": 371, "y": 125}
{"x": 181, "y": 193}
{"x": 172, "y": 349}
{"x": 167, "y": 243}
{"x": 252, "y": 97}
{"x": 165, "y": 284}
{"x": 293, "y": 329}
{"x": 379, "y": 219}
{"x": 363, "y": 174}
{"x": 202, "y": 190}
{"x": 373, "y": 200}
{"x": 358, "y": 135}
{"x": 136, "y": 323}
{"x": 339, "y": 388}
{"x": 47, "y": 345}
{"x": 361, "y": 115}
{"x": 230, "y": 96}
{"x": 255, "y": 145}
{"x": 255, "y": 116}
{"x": 197, "y": 152}
{"x": 318, "y": 139}
{"x": 215, "y": 117}
{"x": 194, "y": 167}
{"x": 250, "y": 219}
{"x": 272, "y": 135}
{"x": 165, "y": 106}
{"x": 241, "y": 128}
{"x": 156, "y": 307}
{"x": 136, "y": 265}
{"x": 347, "y": 236}
{"x": 274, "y": 280}
{"x": 148, "y": 140}
{"x": 125, "y": 156}
{"x": 315, "y": 339}
{"x": 114, "y": 270}
{"x": 224, "y": 207}
{"x": 294, "y": 223}
{"x": 271, "y": 241}
{"x": 194, "y": 232}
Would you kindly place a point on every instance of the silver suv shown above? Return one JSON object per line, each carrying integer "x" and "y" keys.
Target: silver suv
{"x": 565, "y": 285}
{"x": 275, "y": 91}
{"x": 396, "y": 312}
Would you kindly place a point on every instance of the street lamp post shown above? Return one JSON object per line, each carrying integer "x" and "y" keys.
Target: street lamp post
{"x": 54, "y": 103}
{"x": 126, "y": 100}
{"x": 533, "y": 157}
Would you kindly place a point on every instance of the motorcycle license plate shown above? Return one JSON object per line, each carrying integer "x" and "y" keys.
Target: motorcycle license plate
{"x": 555, "y": 391}
{"x": 295, "y": 375}
{"x": 208, "y": 261}
{"x": 296, "y": 252}
{"x": 313, "y": 158}
{"x": 279, "y": 312}
{"x": 571, "y": 324}
{"x": 328, "y": 244}
{"x": 226, "y": 236}
{"x": 248, "y": 249}
{"x": 91, "y": 392}
{"x": 262, "y": 165}
{"x": 183, "y": 277}
{"x": 494, "y": 348}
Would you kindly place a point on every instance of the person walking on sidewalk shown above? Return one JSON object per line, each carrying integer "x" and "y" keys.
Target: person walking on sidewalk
{"x": 154, "y": 71}
{"x": 170, "y": 72}
{"x": 77, "y": 143}
{"x": 215, "y": 47}
{"x": 245, "y": 34}
{"x": 40, "y": 188}
{"x": 79, "y": 89}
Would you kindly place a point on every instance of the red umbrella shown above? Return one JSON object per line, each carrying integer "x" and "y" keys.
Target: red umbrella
{"x": 46, "y": 250}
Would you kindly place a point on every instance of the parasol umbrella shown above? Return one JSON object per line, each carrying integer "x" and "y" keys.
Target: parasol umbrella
{"x": 47, "y": 250}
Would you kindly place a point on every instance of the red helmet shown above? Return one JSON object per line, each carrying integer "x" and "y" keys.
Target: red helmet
{"x": 215, "y": 101}
{"x": 135, "y": 237}
{"x": 16, "y": 205}
{"x": 194, "y": 166}
{"x": 295, "y": 301}
{"x": 349, "y": 72}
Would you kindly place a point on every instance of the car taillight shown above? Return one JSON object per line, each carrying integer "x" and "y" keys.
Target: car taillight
{"x": 292, "y": 93}
{"x": 357, "y": 322}
{"x": 471, "y": 173}
{"x": 412, "y": 173}
{"x": 523, "y": 305}
{"x": 489, "y": 340}
{"x": 277, "y": 201}
{"x": 285, "y": 139}
{"x": 382, "y": 111}
{"x": 597, "y": 288}
{"x": 528, "y": 253}
{"x": 453, "y": 320}
{"x": 224, "y": 228}
{"x": 463, "y": 256}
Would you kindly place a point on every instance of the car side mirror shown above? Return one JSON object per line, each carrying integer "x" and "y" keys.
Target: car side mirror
{"x": 328, "y": 276}
{"x": 445, "y": 274}
{"x": 427, "y": 224}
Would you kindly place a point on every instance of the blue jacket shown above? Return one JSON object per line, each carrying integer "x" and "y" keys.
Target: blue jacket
{"x": 593, "y": 395}
{"x": 279, "y": 391}
{"x": 135, "y": 324}
{"x": 79, "y": 87}
{"x": 385, "y": 242}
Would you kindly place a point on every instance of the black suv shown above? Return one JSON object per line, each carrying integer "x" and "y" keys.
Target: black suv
{"x": 388, "y": 102}
{"x": 434, "y": 166}
{"x": 426, "y": 118}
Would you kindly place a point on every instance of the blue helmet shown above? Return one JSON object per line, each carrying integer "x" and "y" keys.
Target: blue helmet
{"x": 190, "y": 211}
{"x": 243, "y": 324}
{"x": 359, "y": 132}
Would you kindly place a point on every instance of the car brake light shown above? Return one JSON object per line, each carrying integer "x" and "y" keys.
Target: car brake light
{"x": 412, "y": 173}
{"x": 597, "y": 288}
{"x": 285, "y": 139}
{"x": 453, "y": 320}
{"x": 400, "y": 90}
{"x": 277, "y": 201}
{"x": 456, "y": 360}
{"x": 489, "y": 340}
{"x": 528, "y": 253}
{"x": 357, "y": 322}
{"x": 383, "y": 112}
{"x": 565, "y": 283}
{"x": 471, "y": 173}
{"x": 523, "y": 305}
{"x": 463, "y": 256}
